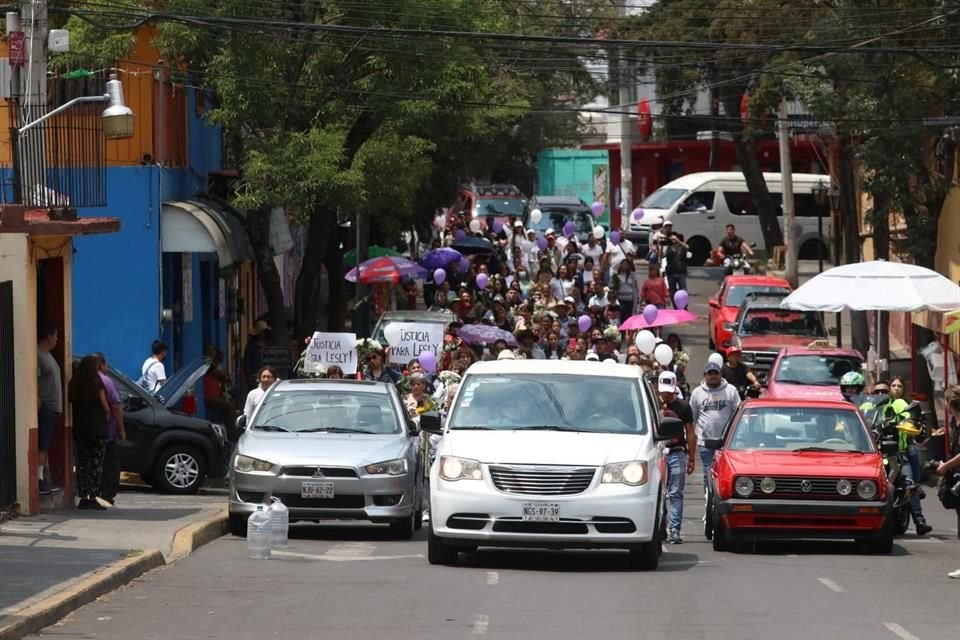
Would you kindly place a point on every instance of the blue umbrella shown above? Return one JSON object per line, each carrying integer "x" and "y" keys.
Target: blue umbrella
{"x": 440, "y": 258}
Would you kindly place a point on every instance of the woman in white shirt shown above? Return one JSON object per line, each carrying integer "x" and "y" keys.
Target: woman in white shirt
{"x": 267, "y": 376}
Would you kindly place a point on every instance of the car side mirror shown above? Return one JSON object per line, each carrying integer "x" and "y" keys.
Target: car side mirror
{"x": 713, "y": 443}
{"x": 889, "y": 447}
{"x": 430, "y": 422}
{"x": 669, "y": 429}
{"x": 412, "y": 427}
{"x": 714, "y": 303}
{"x": 134, "y": 403}
{"x": 241, "y": 423}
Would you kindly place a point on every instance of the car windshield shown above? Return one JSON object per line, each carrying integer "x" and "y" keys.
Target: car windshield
{"x": 500, "y": 206}
{"x": 556, "y": 402}
{"x": 663, "y": 198}
{"x": 800, "y": 429}
{"x": 815, "y": 369}
{"x": 736, "y": 295}
{"x": 340, "y": 411}
{"x": 555, "y": 217}
{"x": 781, "y": 322}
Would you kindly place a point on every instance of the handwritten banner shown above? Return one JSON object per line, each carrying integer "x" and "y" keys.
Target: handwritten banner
{"x": 326, "y": 349}
{"x": 408, "y": 340}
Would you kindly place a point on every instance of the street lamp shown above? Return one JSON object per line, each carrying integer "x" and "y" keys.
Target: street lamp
{"x": 117, "y": 118}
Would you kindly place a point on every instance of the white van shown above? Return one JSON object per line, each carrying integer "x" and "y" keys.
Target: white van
{"x": 701, "y": 205}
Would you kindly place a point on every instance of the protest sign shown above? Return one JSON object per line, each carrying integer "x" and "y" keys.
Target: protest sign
{"x": 326, "y": 349}
{"x": 408, "y": 340}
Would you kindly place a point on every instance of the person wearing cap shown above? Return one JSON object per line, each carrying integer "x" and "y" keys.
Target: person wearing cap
{"x": 528, "y": 347}
{"x": 712, "y": 403}
{"x": 737, "y": 373}
{"x": 680, "y": 463}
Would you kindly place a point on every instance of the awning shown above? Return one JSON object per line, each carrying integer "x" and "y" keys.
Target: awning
{"x": 191, "y": 226}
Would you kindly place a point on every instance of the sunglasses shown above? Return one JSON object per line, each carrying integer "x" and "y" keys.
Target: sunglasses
{"x": 881, "y": 390}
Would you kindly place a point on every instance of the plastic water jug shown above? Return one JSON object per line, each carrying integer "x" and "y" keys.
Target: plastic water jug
{"x": 258, "y": 533}
{"x": 279, "y": 524}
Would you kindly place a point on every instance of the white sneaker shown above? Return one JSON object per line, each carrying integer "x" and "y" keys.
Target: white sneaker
{"x": 426, "y": 517}
{"x": 954, "y": 574}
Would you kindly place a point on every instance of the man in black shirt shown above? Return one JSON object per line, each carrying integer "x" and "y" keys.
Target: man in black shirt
{"x": 680, "y": 463}
{"x": 737, "y": 373}
{"x": 733, "y": 245}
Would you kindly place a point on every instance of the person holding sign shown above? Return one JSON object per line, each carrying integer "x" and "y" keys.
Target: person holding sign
{"x": 375, "y": 367}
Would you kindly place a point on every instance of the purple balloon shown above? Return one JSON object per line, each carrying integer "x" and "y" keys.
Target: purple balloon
{"x": 650, "y": 313}
{"x": 615, "y": 237}
{"x": 428, "y": 361}
{"x": 597, "y": 208}
{"x": 459, "y": 235}
{"x": 569, "y": 228}
{"x": 680, "y": 299}
{"x": 463, "y": 266}
{"x": 439, "y": 276}
{"x": 584, "y": 322}
{"x": 542, "y": 244}
{"x": 637, "y": 214}
{"x": 482, "y": 280}
{"x": 497, "y": 226}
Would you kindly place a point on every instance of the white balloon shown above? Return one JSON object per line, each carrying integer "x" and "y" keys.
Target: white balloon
{"x": 598, "y": 232}
{"x": 716, "y": 358}
{"x": 536, "y": 216}
{"x": 475, "y": 225}
{"x": 391, "y": 333}
{"x": 646, "y": 342}
{"x": 663, "y": 354}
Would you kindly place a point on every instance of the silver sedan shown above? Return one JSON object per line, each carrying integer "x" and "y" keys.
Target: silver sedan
{"x": 330, "y": 449}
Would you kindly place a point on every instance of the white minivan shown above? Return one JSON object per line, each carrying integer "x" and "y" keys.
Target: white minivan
{"x": 550, "y": 454}
{"x": 701, "y": 205}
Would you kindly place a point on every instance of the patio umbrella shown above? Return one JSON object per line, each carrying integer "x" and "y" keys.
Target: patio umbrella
{"x": 876, "y": 285}
{"x": 386, "y": 269}
{"x": 373, "y": 251}
{"x": 472, "y": 245}
{"x": 440, "y": 258}
{"x": 477, "y": 333}
{"x": 665, "y": 317}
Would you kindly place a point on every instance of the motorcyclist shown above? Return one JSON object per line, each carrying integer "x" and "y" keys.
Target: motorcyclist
{"x": 737, "y": 373}
{"x": 731, "y": 246}
{"x": 852, "y": 385}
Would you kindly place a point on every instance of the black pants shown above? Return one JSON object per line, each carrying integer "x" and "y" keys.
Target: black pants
{"x": 110, "y": 478}
{"x": 89, "y": 465}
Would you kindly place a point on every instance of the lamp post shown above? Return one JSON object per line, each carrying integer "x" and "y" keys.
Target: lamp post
{"x": 822, "y": 194}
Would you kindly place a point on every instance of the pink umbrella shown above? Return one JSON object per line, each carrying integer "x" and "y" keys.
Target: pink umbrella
{"x": 664, "y": 318}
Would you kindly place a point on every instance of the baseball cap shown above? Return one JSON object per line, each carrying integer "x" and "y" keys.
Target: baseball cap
{"x": 712, "y": 366}
{"x": 569, "y": 300}
{"x": 548, "y": 232}
{"x": 592, "y": 357}
{"x": 667, "y": 382}
{"x": 668, "y": 222}
{"x": 517, "y": 223}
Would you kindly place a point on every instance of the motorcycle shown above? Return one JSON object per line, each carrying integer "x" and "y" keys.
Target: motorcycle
{"x": 748, "y": 391}
{"x": 886, "y": 429}
{"x": 737, "y": 265}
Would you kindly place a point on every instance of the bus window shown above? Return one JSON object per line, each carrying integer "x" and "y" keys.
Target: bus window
{"x": 740, "y": 203}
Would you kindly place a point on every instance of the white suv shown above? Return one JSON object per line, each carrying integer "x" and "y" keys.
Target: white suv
{"x": 550, "y": 454}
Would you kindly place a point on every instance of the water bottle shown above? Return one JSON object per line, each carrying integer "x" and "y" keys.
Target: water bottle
{"x": 279, "y": 524}
{"x": 258, "y": 533}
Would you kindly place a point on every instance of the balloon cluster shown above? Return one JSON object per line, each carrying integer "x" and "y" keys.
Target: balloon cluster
{"x": 647, "y": 344}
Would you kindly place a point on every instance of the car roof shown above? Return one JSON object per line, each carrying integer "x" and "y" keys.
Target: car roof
{"x": 758, "y": 280}
{"x": 323, "y": 384}
{"x": 565, "y": 200}
{"x": 796, "y": 403}
{"x": 419, "y": 315}
{"x": 694, "y": 180}
{"x": 824, "y": 351}
{"x": 568, "y": 367}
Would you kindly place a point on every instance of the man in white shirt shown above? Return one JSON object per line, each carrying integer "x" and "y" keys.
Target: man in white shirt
{"x": 592, "y": 249}
{"x": 152, "y": 373}
{"x": 617, "y": 253}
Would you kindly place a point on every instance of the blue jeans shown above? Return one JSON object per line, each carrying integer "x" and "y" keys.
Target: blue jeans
{"x": 915, "y": 472}
{"x": 676, "y": 480}
{"x": 706, "y": 459}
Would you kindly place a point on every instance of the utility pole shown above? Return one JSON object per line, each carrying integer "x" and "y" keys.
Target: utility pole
{"x": 29, "y": 96}
{"x": 786, "y": 176}
{"x": 626, "y": 153}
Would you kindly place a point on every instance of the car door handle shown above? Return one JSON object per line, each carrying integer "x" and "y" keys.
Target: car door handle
{"x": 710, "y": 216}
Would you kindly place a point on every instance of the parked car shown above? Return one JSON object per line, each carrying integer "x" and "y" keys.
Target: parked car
{"x": 487, "y": 202}
{"x": 762, "y": 328}
{"x": 725, "y": 306}
{"x": 798, "y": 469}
{"x": 529, "y": 458}
{"x": 170, "y": 450}
{"x": 558, "y": 211}
{"x": 341, "y": 449}
{"x": 812, "y": 372}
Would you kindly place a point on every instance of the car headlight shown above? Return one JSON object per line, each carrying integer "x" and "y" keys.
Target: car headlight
{"x": 220, "y": 430}
{"x": 867, "y": 489}
{"x": 768, "y": 485}
{"x": 728, "y": 326}
{"x": 743, "y": 486}
{"x": 246, "y": 463}
{"x": 396, "y": 467}
{"x": 632, "y": 473}
{"x": 453, "y": 469}
{"x": 844, "y": 487}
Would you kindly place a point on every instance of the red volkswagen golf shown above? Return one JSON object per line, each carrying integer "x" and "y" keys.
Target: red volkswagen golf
{"x": 798, "y": 469}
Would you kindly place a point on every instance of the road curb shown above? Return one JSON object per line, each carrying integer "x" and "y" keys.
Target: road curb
{"x": 195, "y": 535}
{"x": 54, "y": 608}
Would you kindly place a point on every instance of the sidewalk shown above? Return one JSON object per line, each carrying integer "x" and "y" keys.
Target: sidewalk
{"x": 56, "y": 562}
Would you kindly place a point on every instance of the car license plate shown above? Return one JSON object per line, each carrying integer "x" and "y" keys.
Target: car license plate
{"x": 316, "y": 489}
{"x": 541, "y": 511}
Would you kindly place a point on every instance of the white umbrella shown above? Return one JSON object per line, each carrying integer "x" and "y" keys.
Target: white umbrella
{"x": 877, "y": 285}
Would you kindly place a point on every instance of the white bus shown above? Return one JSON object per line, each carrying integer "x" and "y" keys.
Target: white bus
{"x": 701, "y": 205}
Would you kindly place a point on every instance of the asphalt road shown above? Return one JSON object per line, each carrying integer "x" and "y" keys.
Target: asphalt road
{"x": 354, "y": 581}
